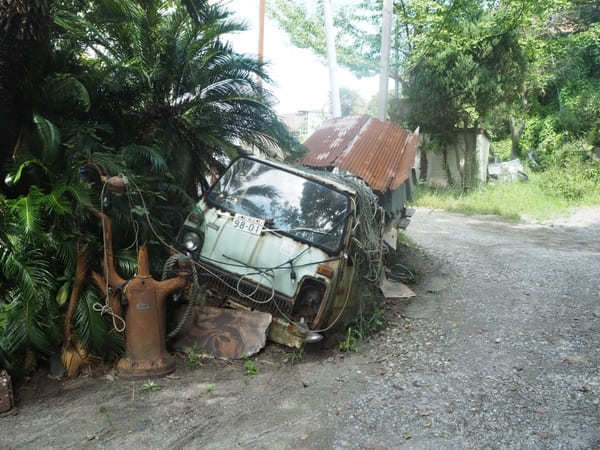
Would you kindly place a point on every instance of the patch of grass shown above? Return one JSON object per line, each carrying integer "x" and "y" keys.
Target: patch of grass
{"x": 542, "y": 197}
{"x": 404, "y": 240}
{"x": 106, "y": 416}
{"x": 367, "y": 321}
{"x": 250, "y": 368}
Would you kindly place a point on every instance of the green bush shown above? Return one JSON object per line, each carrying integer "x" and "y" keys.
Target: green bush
{"x": 576, "y": 180}
{"x": 502, "y": 148}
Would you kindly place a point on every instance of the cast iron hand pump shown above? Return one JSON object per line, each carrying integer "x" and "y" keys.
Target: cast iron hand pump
{"x": 145, "y": 314}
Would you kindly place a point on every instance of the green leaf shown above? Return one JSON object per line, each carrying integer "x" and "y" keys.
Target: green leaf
{"x": 27, "y": 210}
{"x": 66, "y": 94}
{"x": 50, "y": 137}
{"x": 14, "y": 179}
{"x": 63, "y": 293}
{"x": 94, "y": 330}
{"x": 140, "y": 211}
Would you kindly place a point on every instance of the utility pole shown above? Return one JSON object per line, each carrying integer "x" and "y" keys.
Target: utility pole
{"x": 261, "y": 35}
{"x": 336, "y": 108}
{"x": 385, "y": 59}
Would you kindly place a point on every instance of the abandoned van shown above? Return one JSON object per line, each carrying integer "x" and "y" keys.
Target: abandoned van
{"x": 273, "y": 238}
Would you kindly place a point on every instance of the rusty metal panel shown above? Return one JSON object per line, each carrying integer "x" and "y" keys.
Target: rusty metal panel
{"x": 381, "y": 153}
{"x": 327, "y": 143}
{"x": 226, "y": 333}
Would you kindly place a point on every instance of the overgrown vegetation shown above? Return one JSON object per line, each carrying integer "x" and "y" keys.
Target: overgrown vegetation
{"x": 525, "y": 70}
{"x": 89, "y": 89}
{"x": 547, "y": 194}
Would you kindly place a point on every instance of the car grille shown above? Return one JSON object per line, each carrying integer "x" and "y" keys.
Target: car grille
{"x": 226, "y": 286}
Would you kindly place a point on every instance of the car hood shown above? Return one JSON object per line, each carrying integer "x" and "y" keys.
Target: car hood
{"x": 246, "y": 254}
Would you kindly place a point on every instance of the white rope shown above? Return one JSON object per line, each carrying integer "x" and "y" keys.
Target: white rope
{"x": 99, "y": 307}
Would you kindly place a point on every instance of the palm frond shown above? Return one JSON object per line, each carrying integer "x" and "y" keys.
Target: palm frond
{"x": 126, "y": 262}
{"x": 49, "y": 135}
{"x": 28, "y": 270}
{"x": 26, "y": 210}
{"x": 93, "y": 330}
{"x": 133, "y": 153}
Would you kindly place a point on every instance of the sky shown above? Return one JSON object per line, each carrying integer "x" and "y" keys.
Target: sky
{"x": 300, "y": 78}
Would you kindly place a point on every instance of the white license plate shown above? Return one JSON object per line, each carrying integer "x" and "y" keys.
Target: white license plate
{"x": 248, "y": 224}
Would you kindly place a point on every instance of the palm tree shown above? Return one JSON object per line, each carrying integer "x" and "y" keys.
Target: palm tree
{"x": 190, "y": 96}
{"x": 144, "y": 88}
{"x": 24, "y": 26}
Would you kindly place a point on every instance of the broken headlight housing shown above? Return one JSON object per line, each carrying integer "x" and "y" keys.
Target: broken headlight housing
{"x": 308, "y": 302}
{"x": 191, "y": 241}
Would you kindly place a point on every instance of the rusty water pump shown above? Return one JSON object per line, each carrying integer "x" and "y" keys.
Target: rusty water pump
{"x": 145, "y": 314}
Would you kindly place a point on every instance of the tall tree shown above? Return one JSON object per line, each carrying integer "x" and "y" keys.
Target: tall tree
{"x": 332, "y": 60}
{"x": 384, "y": 67}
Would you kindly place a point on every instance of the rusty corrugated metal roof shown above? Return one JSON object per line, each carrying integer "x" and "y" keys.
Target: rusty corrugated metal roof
{"x": 328, "y": 142}
{"x": 381, "y": 153}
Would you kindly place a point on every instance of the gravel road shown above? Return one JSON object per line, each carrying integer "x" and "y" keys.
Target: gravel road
{"x": 500, "y": 349}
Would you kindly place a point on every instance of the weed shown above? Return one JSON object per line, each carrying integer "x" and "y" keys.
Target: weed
{"x": 106, "y": 416}
{"x": 210, "y": 389}
{"x": 350, "y": 343}
{"x": 368, "y": 320}
{"x": 150, "y": 386}
{"x": 192, "y": 359}
{"x": 250, "y": 368}
{"x": 404, "y": 239}
{"x": 294, "y": 356}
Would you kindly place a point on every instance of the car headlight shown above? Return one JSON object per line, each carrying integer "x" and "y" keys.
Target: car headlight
{"x": 191, "y": 241}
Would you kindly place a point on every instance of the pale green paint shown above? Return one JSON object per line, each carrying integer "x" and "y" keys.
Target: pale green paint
{"x": 267, "y": 250}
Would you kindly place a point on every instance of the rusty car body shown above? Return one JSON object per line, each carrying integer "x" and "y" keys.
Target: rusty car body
{"x": 274, "y": 238}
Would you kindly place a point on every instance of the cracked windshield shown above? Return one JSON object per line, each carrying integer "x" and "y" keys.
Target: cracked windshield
{"x": 287, "y": 202}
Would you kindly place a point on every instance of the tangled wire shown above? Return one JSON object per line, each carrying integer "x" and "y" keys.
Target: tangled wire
{"x": 195, "y": 294}
{"x": 368, "y": 248}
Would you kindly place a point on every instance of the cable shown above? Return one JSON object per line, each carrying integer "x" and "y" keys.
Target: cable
{"x": 194, "y": 299}
{"x": 374, "y": 248}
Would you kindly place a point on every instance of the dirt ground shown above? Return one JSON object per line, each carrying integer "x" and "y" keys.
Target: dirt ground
{"x": 500, "y": 349}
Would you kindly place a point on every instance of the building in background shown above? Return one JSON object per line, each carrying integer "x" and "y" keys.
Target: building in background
{"x": 303, "y": 123}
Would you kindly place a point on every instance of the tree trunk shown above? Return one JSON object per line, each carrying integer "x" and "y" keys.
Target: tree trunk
{"x": 336, "y": 106}
{"x": 384, "y": 73}
{"x": 110, "y": 283}
{"x": 516, "y": 129}
{"x": 24, "y": 27}
{"x": 470, "y": 179}
{"x": 447, "y": 167}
